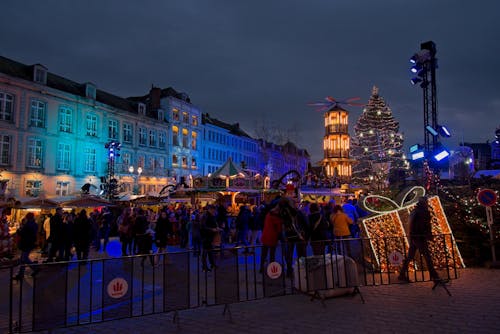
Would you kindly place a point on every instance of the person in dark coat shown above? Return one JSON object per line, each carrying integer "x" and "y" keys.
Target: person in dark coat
{"x": 144, "y": 237}
{"x": 56, "y": 235}
{"x": 208, "y": 229}
{"x": 318, "y": 229}
{"x": 420, "y": 235}
{"x": 82, "y": 235}
{"x": 163, "y": 229}
{"x": 295, "y": 227}
{"x": 242, "y": 226}
{"x": 27, "y": 234}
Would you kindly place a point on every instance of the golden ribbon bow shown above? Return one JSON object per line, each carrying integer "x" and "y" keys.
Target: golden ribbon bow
{"x": 384, "y": 204}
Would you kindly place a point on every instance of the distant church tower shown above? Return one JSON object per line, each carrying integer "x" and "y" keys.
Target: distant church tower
{"x": 336, "y": 144}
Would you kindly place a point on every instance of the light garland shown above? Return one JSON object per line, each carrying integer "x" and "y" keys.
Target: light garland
{"x": 387, "y": 233}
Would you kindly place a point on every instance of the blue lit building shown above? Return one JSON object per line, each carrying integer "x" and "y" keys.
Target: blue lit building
{"x": 55, "y": 136}
{"x": 222, "y": 141}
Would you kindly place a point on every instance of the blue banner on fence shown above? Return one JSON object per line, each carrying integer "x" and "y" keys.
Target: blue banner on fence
{"x": 117, "y": 285}
{"x": 49, "y": 304}
{"x": 176, "y": 281}
{"x": 227, "y": 276}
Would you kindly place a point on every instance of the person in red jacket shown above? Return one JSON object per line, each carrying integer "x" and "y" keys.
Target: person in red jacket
{"x": 271, "y": 233}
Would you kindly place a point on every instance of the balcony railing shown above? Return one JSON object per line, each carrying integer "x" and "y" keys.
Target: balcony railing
{"x": 336, "y": 128}
{"x": 336, "y": 153}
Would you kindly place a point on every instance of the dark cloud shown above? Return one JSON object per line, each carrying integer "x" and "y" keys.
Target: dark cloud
{"x": 244, "y": 61}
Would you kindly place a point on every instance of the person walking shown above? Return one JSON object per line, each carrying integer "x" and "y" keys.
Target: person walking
{"x": 56, "y": 238}
{"x": 295, "y": 227}
{"x": 125, "y": 227}
{"x": 27, "y": 234}
{"x": 82, "y": 235}
{"x": 420, "y": 235}
{"x": 350, "y": 210}
{"x": 340, "y": 223}
{"x": 163, "y": 228}
{"x": 144, "y": 237}
{"x": 209, "y": 228}
{"x": 242, "y": 225}
{"x": 271, "y": 233}
{"x": 318, "y": 226}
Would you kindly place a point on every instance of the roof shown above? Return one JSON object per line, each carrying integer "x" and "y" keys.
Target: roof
{"x": 228, "y": 169}
{"x": 25, "y": 72}
{"x": 232, "y": 128}
{"x": 494, "y": 173}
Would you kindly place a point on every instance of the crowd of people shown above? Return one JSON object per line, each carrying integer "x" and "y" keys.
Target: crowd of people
{"x": 64, "y": 236}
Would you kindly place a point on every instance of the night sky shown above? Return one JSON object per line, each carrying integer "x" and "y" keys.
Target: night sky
{"x": 264, "y": 61}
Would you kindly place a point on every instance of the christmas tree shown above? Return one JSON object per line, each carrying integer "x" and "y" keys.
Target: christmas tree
{"x": 377, "y": 146}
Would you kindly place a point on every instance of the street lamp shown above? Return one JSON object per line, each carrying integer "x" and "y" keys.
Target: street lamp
{"x": 136, "y": 178}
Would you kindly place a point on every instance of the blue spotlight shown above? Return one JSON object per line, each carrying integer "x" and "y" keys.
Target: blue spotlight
{"x": 443, "y": 131}
{"x": 415, "y": 81}
{"x": 431, "y": 130}
{"x": 441, "y": 154}
{"x": 415, "y": 148}
{"x": 416, "y": 68}
{"x": 417, "y": 155}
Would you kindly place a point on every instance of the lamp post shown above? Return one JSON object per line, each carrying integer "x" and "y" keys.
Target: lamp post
{"x": 136, "y": 178}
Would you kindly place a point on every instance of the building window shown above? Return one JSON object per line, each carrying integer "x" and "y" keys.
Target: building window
{"x": 127, "y": 133}
{"x": 143, "y": 136}
{"x": 90, "y": 160}
{"x": 185, "y": 118}
{"x": 175, "y": 114}
{"x": 194, "y": 120}
{"x": 175, "y": 136}
{"x": 37, "y": 114}
{"x": 63, "y": 157}
{"x": 142, "y": 109}
{"x": 184, "y": 162}
{"x": 162, "y": 139}
{"x": 33, "y": 188}
{"x": 40, "y": 74}
{"x": 185, "y": 138}
{"x": 175, "y": 161}
{"x": 113, "y": 129}
{"x": 6, "y": 106}
{"x": 5, "y": 149}
{"x": 193, "y": 163}
{"x": 152, "y": 138}
{"x": 140, "y": 161}
{"x": 90, "y": 91}
{"x": 65, "y": 119}
{"x": 34, "y": 158}
{"x": 193, "y": 140}
{"x": 126, "y": 160}
{"x": 91, "y": 125}
{"x": 62, "y": 188}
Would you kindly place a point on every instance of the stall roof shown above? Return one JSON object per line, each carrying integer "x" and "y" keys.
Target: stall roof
{"x": 87, "y": 202}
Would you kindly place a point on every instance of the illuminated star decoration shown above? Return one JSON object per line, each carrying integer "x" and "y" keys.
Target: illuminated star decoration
{"x": 331, "y": 103}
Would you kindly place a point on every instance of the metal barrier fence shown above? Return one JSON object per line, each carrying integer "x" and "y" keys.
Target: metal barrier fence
{"x": 64, "y": 294}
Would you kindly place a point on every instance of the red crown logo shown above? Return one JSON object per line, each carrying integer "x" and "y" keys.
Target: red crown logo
{"x": 117, "y": 287}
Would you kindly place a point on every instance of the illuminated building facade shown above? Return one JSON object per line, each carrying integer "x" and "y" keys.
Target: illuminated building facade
{"x": 222, "y": 141}
{"x": 336, "y": 144}
{"x": 276, "y": 160}
{"x": 56, "y": 133}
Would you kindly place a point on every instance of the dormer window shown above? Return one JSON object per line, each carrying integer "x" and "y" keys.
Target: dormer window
{"x": 142, "y": 109}
{"x": 90, "y": 91}
{"x": 160, "y": 115}
{"x": 40, "y": 74}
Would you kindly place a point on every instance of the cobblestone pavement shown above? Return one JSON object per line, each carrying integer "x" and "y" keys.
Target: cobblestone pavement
{"x": 474, "y": 307}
